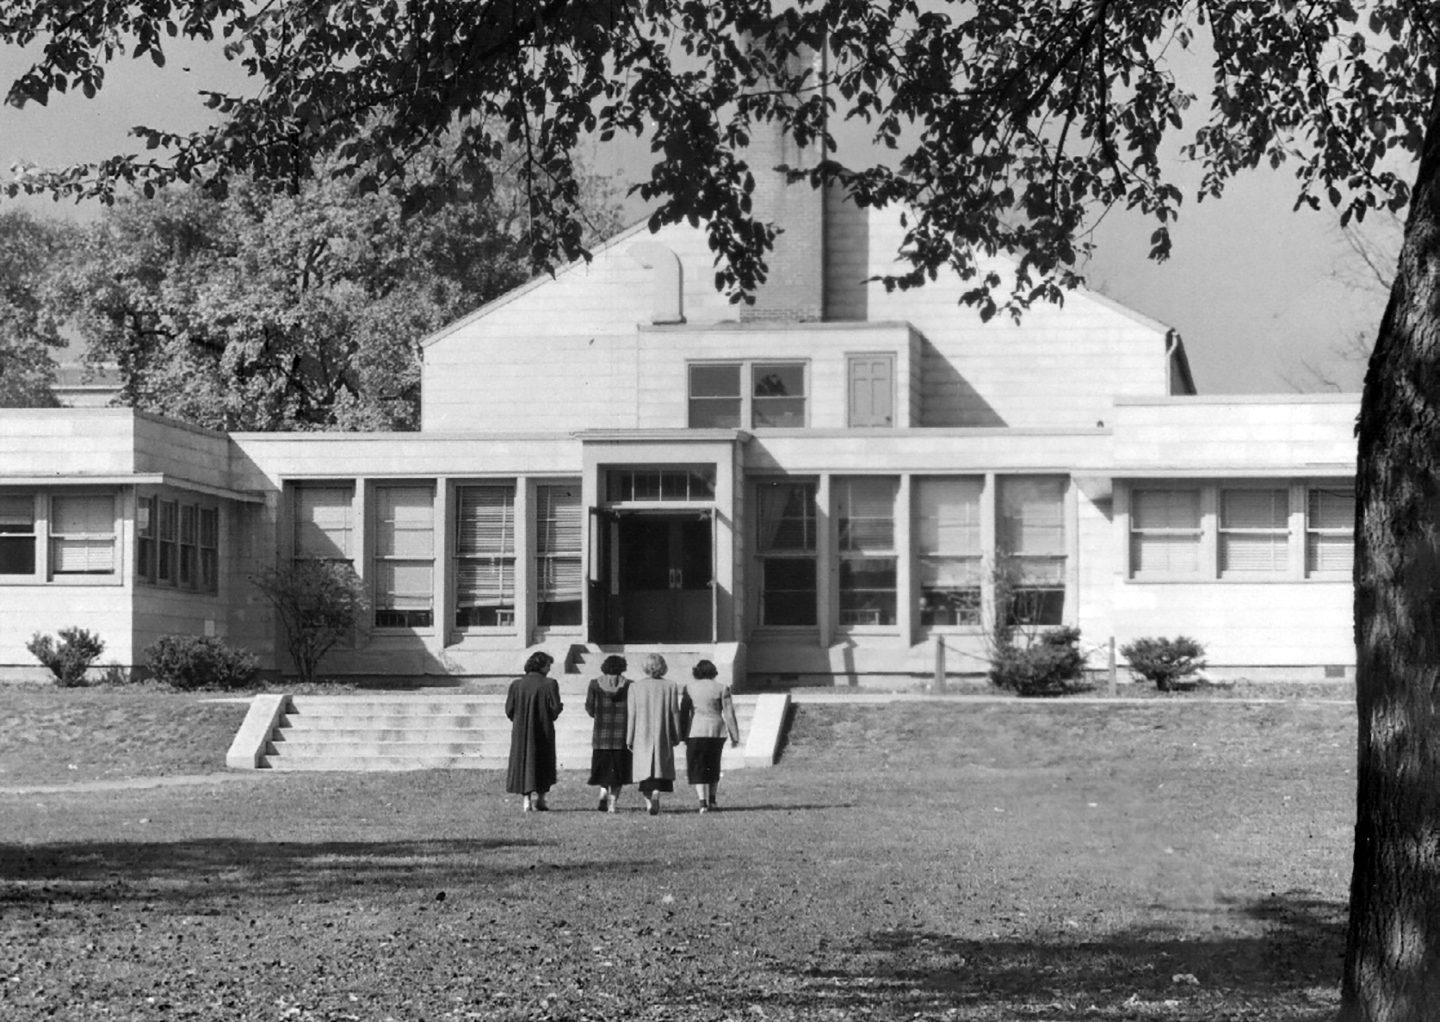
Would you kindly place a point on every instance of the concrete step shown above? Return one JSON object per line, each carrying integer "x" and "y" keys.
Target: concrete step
{"x": 400, "y": 731}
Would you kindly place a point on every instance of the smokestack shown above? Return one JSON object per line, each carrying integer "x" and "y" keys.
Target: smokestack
{"x": 794, "y": 289}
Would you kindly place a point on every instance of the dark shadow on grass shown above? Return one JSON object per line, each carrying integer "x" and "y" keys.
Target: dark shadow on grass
{"x": 1291, "y": 964}
{"x": 181, "y": 871}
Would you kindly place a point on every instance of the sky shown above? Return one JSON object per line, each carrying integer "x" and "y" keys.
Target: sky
{"x": 1253, "y": 288}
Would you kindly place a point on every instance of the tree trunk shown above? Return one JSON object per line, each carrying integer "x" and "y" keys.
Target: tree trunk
{"x": 1392, "y": 956}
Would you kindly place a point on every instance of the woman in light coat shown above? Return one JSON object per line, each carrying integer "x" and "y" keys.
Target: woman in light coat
{"x": 709, "y": 715}
{"x": 653, "y": 730}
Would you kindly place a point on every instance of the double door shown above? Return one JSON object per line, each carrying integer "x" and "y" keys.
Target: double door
{"x": 658, "y": 578}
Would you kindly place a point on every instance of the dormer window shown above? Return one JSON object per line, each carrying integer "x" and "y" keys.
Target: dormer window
{"x": 719, "y": 398}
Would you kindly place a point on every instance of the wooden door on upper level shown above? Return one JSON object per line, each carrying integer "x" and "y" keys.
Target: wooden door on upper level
{"x": 872, "y": 390}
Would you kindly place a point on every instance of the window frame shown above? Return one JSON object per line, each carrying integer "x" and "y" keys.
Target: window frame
{"x": 1137, "y": 533}
{"x": 807, "y": 551}
{"x": 940, "y": 556}
{"x": 187, "y": 556}
{"x": 383, "y": 563}
{"x": 548, "y": 558}
{"x": 854, "y": 551}
{"x": 1045, "y": 592}
{"x": 43, "y": 537}
{"x": 505, "y": 558}
{"x": 746, "y": 380}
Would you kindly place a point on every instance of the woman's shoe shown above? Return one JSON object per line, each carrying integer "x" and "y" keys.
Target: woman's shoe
{"x": 540, "y": 806}
{"x": 654, "y": 808}
{"x": 604, "y": 804}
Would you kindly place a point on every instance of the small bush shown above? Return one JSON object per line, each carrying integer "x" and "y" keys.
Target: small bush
{"x": 319, "y": 603}
{"x": 1164, "y": 661}
{"x": 1051, "y": 665}
{"x": 191, "y": 662}
{"x": 69, "y": 658}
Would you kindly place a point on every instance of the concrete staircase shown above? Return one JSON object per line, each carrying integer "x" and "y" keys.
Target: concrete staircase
{"x": 425, "y": 731}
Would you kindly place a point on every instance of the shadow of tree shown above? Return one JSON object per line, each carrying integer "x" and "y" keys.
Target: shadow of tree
{"x": 1287, "y": 967}
{"x": 182, "y": 871}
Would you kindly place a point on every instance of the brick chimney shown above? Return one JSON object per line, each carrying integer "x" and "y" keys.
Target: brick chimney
{"x": 794, "y": 290}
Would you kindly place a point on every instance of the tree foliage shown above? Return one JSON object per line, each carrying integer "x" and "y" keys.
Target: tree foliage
{"x": 1001, "y": 126}
{"x": 30, "y": 251}
{"x": 262, "y": 310}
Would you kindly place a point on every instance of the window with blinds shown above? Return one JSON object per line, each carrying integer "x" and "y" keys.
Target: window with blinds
{"x": 559, "y": 574}
{"x": 324, "y": 521}
{"x": 485, "y": 556}
{"x": 167, "y": 525}
{"x": 947, "y": 549}
{"x": 1254, "y": 531}
{"x": 865, "y": 515}
{"x": 785, "y": 541}
{"x": 82, "y": 535}
{"x": 404, "y": 556}
{"x": 1165, "y": 532}
{"x": 1032, "y": 547}
{"x": 17, "y": 534}
{"x": 1330, "y": 531}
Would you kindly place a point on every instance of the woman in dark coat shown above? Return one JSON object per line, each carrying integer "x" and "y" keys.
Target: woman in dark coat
{"x": 532, "y": 704}
{"x": 709, "y": 715}
{"x": 606, "y": 701}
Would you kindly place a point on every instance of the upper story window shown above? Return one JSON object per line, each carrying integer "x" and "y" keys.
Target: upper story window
{"x": 733, "y": 394}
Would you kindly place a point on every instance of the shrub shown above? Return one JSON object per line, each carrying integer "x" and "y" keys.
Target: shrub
{"x": 318, "y": 602}
{"x": 199, "y": 661}
{"x": 69, "y": 658}
{"x": 1050, "y": 665}
{"x": 1164, "y": 661}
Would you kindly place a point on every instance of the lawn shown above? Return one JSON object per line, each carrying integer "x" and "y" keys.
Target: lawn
{"x": 946, "y": 860}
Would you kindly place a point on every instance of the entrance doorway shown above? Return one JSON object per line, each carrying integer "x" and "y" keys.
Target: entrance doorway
{"x": 661, "y": 573}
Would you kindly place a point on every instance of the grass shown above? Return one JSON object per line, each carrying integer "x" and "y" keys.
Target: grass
{"x": 942, "y": 860}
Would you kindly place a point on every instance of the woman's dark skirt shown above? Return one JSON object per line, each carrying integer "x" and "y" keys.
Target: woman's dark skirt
{"x": 702, "y": 759}
{"x": 609, "y": 768}
{"x": 651, "y": 785}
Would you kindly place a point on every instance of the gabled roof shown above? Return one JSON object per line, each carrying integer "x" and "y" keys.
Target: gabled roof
{"x": 530, "y": 285}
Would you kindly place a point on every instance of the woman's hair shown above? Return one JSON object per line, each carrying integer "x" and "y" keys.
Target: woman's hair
{"x": 538, "y": 663}
{"x": 704, "y": 669}
{"x": 613, "y": 665}
{"x": 654, "y": 665}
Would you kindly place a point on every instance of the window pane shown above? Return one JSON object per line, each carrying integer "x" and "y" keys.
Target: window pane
{"x": 780, "y": 380}
{"x": 785, "y": 516}
{"x": 788, "y": 591}
{"x": 1164, "y": 553}
{"x": 779, "y": 412}
{"x": 17, "y": 555}
{"x": 1254, "y": 509}
{"x": 866, "y": 511}
{"x": 323, "y": 521}
{"x": 1260, "y": 552}
{"x": 1332, "y": 509}
{"x": 1166, "y": 509}
{"x": 1032, "y": 515}
{"x": 82, "y": 535}
{"x": 715, "y": 381}
{"x": 485, "y": 521}
{"x": 947, "y": 516}
{"x": 715, "y": 413}
{"x": 867, "y": 591}
{"x": 406, "y": 526}
{"x": 17, "y": 513}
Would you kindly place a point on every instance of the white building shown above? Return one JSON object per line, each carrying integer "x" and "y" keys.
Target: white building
{"x": 812, "y": 490}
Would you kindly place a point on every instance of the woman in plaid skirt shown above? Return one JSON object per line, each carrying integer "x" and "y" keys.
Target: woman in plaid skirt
{"x": 606, "y": 701}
